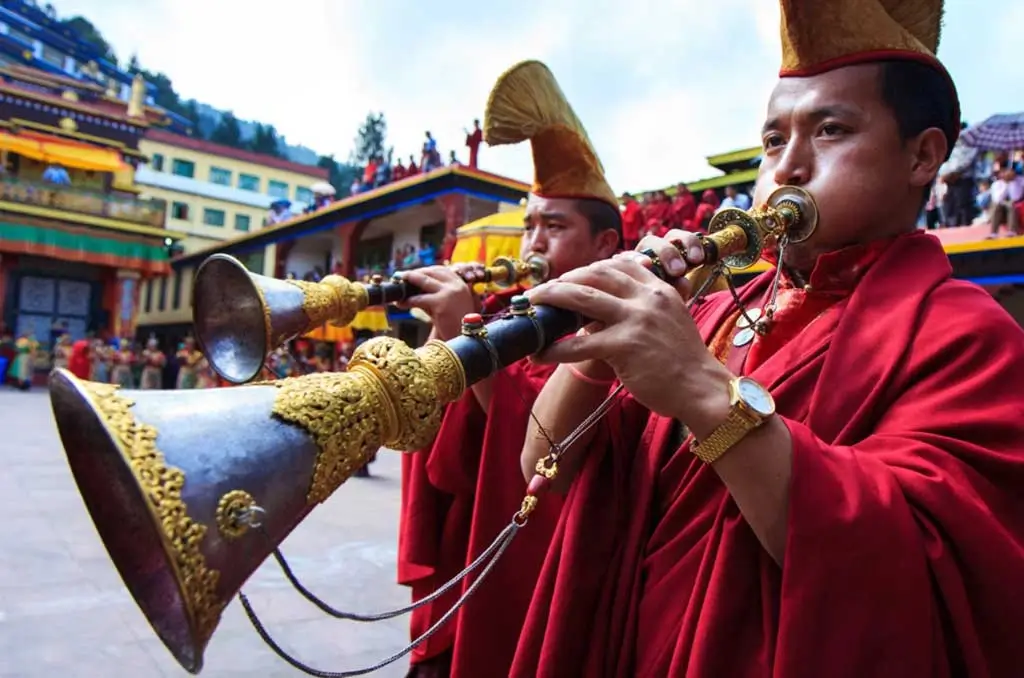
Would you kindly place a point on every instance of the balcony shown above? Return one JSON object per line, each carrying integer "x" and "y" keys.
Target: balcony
{"x": 150, "y": 213}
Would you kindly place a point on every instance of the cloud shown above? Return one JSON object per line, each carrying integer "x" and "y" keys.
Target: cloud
{"x": 660, "y": 84}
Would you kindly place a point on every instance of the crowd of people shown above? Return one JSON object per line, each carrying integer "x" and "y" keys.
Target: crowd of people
{"x": 655, "y": 213}
{"x": 976, "y": 187}
{"x": 118, "y": 361}
{"x": 380, "y": 170}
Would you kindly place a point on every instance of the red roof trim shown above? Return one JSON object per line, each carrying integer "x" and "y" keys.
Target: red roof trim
{"x": 203, "y": 146}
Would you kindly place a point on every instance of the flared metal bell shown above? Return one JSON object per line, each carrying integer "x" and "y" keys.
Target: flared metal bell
{"x": 241, "y": 316}
{"x": 168, "y": 478}
{"x": 191, "y": 490}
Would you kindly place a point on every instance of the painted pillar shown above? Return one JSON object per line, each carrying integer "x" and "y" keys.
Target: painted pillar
{"x": 456, "y": 212}
{"x": 126, "y": 308}
{"x": 349, "y": 234}
{"x": 5, "y": 264}
{"x": 281, "y": 258}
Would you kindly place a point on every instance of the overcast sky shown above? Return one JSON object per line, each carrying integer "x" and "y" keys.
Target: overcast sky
{"x": 660, "y": 84}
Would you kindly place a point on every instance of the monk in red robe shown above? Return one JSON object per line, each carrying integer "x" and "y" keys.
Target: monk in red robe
{"x": 658, "y": 214}
{"x": 473, "y": 141}
{"x": 684, "y": 208}
{"x": 80, "y": 362}
{"x": 632, "y": 221}
{"x": 460, "y": 493}
{"x": 709, "y": 204}
{"x": 839, "y": 495}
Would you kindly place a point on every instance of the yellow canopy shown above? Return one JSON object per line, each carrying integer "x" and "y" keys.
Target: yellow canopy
{"x": 51, "y": 149}
{"x": 486, "y": 239}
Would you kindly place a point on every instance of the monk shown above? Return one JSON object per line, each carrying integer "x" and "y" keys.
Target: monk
{"x": 684, "y": 208}
{"x": 458, "y": 495}
{"x": 473, "y": 141}
{"x": 839, "y": 495}
{"x": 658, "y": 214}
{"x": 80, "y": 362}
{"x": 632, "y": 221}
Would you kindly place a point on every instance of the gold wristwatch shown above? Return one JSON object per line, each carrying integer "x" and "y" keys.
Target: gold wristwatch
{"x": 750, "y": 406}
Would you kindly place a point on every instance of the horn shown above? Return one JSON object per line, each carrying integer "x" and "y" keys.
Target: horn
{"x": 177, "y": 496}
{"x": 186, "y": 526}
{"x": 240, "y": 316}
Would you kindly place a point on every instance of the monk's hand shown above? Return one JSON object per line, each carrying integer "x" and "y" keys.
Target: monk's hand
{"x": 643, "y": 330}
{"x": 445, "y": 296}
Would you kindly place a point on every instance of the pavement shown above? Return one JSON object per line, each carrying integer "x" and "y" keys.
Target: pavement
{"x": 65, "y": 612}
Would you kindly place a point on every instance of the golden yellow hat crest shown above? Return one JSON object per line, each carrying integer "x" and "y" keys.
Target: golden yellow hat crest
{"x": 527, "y": 104}
{"x": 819, "y": 35}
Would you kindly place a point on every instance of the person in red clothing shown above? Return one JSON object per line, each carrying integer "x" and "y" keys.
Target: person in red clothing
{"x": 80, "y": 362}
{"x": 709, "y": 204}
{"x": 657, "y": 214}
{"x": 684, "y": 208}
{"x": 473, "y": 141}
{"x": 462, "y": 491}
{"x": 398, "y": 171}
{"x": 632, "y": 221}
{"x": 837, "y": 493}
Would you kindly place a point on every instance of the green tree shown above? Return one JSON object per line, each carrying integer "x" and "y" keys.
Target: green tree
{"x": 133, "y": 65}
{"x": 90, "y": 35}
{"x": 341, "y": 175}
{"x": 265, "y": 141}
{"x": 371, "y": 140}
{"x": 228, "y": 131}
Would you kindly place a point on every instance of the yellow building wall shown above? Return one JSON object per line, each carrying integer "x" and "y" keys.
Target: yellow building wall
{"x": 204, "y": 161}
{"x": 200, "y": 235}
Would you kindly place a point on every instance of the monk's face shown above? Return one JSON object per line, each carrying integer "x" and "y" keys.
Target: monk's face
{"x": 833, "y": 135}
{"x": 556, "y": 228}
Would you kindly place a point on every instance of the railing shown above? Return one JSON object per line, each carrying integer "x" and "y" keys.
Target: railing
{"x": 82, "y": 201}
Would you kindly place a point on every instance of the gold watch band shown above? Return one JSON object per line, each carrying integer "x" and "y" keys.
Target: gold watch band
{"x": 736, "y": 427}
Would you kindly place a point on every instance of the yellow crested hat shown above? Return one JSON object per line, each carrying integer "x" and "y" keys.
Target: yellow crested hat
{"x": 527, "y": 103}
{"x": 820, "y": 35}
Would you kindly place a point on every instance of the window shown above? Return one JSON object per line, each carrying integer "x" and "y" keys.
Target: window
{"x": 161, "y": 304}
{"x": 18, "y": 35}
{"x": 249, "y": 182}
{"x": 221, "y": 176}
{"x": 179, "y": 210}
{"x": 176, "y": 295}
{"x": 277, "y": 189}
{"x": 213, "y": 217}
{"x": 183, "y": 168}
{"x": 433, "y": 235}
{"x": 157, "y": 162}
{"x": 254, "y": 262}
{"x": 149, "y": 296}
{"x": 53, "y": 57}
{"x": 303, "y": 195}
{"x": 374, "y": 254}
{"x": 242, "y": 222}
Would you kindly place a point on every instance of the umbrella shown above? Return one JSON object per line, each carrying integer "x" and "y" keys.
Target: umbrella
{"x": 1004, "y": 132}
{"x": 322, "y": 188}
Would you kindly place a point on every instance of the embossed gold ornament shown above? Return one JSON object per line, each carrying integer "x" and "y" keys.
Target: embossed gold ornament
{"x": 232, "y": 512}
{"x": 162, "y": 485}
{"x": 333, "y": 297}
{"x": 391, "y": 395}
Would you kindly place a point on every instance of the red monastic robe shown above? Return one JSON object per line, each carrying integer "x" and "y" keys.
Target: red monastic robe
{"x": 905, "y": 529}
{"x": 659, "y": 216}
{"x": 457, "y": 496}
{"x": 632, "y": 223}
{"x": 684, "y": 209}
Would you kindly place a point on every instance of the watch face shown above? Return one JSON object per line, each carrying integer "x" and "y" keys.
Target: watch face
{"x": 756, "y": 397}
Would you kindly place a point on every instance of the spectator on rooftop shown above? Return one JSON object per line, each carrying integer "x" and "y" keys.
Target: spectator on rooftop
{"x": 430, "y": 159}
{"x": 398, "y": 172}
{"x": 473, "y": 141}
{"x": 452, "y": 160}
